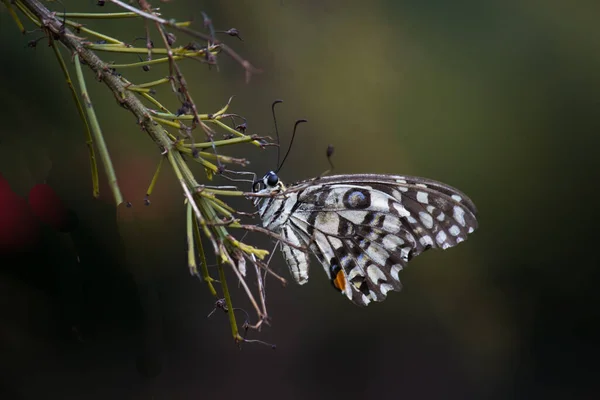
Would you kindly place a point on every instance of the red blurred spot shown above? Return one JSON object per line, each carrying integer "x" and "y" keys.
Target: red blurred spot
{"x": 4, "y": 186}
{"x": 19, "y": 229}
{"x": 48, "y": 207}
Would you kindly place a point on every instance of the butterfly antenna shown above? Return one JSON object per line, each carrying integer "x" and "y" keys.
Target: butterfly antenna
{"x": 276, "y": 130}
{"x": 291, "y": 142}
{"x": 329, "y": 153}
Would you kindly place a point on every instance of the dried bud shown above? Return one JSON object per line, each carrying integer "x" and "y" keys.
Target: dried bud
{"x": 234, "y": 32}
{"x": 241, "y": 127}
{"x": 184, "y": 109}
{"x": 171, "y": 38}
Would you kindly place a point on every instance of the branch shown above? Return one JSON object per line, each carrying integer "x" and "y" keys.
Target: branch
{"x": 103, "y": 71}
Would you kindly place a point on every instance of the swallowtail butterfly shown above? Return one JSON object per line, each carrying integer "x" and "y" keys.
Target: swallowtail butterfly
{"x": 363, "y": 228}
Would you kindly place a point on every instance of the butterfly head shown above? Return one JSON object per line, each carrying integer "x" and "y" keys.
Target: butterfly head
{"x": 269, "y": 183}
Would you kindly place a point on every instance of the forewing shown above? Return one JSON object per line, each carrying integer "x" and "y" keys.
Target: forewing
{"x": 365, "y": 228}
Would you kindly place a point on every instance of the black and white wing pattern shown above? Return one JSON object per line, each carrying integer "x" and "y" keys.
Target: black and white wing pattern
{"x": 363, "y": 228}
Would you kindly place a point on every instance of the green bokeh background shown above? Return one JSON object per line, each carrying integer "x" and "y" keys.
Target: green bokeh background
{"x": 500, "y": 99}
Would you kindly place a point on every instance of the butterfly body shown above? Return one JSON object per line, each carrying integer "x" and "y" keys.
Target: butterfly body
{"x": 362, "y": 228}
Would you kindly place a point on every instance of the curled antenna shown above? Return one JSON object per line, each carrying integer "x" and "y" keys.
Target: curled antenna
{"x": 276, "y": 130}
{"x": 291, "y": 142}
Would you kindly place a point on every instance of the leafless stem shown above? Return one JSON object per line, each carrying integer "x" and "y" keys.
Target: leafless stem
{"x": 250, "y": 69}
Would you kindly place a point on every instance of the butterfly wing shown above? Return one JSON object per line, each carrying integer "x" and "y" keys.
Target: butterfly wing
{"x": 365, "y": 228}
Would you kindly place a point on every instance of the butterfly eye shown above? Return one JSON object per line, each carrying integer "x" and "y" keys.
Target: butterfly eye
{"x": 271, "y": 179}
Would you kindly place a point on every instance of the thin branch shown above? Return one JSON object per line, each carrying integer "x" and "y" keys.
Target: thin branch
{"x": 250, "y": 69}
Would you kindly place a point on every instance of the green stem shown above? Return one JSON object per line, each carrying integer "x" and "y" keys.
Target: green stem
{"x": 203, "y": 265}
{"x": 100, "y": 15}
{"x": 89, "y": 142}
{"x": 191, "y": 253}
{"x": 230, "y": 311}
{"x": 28, "y": 13}
{"x": 153, "y": 83}
{"x": 225, "y": 142}
{"x": 220, "y": 192}
{"x": 98, "y": 136}
{"x": 140, "y": 63}
{"x": 99, "y": 35}
{"x": 155, "y": 177}
{"x": 14, "y": 16}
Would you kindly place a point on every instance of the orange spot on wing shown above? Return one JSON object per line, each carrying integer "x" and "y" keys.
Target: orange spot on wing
{"x": 340, "y": 281}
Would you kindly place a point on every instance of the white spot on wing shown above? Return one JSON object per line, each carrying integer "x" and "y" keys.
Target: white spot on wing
{"x": 459, "y": 215}
{"x": 441, "y": 237}
{"x": 454, "y": 230}
{"x": 391, "y": 242}
{"x": 365, "y": 299}
{"x": 377, "y": 254}
{"x": 426, "y": 219}
{"x": 456, "y": 197}
{"x": 396, "y": 268}
{"x": 354, "y": 216}
{"x": 375, "y": 274}
{"x": 422, "y": 197}
{"x": 385, "y": 287}
{"x": 354, "y": 273}
{"x": 396, "y": 194}
{"x": 327, "y": 222}
{"x": 403, "y": 212}
{"x": 391, "y": 224}
{"x": 337, "y": 243}
{"x": 426, "y": 240}
{"x": 404, "y": 253}
{"x": 441, "y": 217}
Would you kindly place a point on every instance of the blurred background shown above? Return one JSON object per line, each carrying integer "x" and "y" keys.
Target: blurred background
{"x": 500, "y": 99}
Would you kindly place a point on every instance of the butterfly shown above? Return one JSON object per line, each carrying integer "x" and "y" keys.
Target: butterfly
{"x": 362, "y": 228}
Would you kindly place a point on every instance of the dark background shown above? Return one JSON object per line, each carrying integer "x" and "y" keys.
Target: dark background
{"x": 500, "y": 99}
